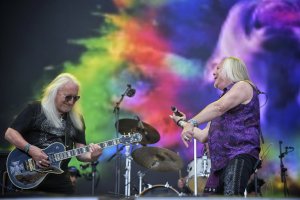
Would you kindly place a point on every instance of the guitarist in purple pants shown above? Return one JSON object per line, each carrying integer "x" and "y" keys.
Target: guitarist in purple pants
{"x": 45, "y": 134}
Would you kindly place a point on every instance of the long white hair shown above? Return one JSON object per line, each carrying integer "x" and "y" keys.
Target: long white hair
{"x": 48, "y": 102}
{"x": 235, "y": 69}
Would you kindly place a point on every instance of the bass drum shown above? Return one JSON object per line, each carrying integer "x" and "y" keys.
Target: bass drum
{"x": 203, "y": 171}
{"x": 160, "y": 191}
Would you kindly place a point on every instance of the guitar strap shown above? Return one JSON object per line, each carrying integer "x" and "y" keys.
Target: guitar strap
{"x": 68, "y": 143}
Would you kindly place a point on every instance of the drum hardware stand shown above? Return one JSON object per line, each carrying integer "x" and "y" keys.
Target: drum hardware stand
{"x": 127, "y": 174}
{"x": 284, "y": 169}
{"x": 140, "y": 175}
{"x": 127, "y": 170}
{"x": 205, "y": 164}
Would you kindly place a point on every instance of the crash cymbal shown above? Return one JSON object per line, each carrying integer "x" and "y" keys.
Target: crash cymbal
{"x": 150, "y": 134}
{"x": 156, "y": 158}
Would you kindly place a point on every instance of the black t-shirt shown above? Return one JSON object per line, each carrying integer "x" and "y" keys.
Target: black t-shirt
{"x": 33, "y": 125}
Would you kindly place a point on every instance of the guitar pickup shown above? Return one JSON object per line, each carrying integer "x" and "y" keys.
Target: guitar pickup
{"x": 29, "y": 164}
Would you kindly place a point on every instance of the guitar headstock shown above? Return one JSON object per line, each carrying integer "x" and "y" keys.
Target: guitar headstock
{"x": 131, "y": 138}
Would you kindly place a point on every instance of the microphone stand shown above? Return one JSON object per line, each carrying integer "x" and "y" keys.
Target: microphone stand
{"x": 118, "y": 160}
{"x": 195, "y": 169}
{"x": 283, "y": 171}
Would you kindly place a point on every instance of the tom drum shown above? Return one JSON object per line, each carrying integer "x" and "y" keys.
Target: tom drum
{"x": 203, "y": 171}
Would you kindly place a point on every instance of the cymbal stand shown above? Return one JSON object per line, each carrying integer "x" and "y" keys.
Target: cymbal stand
{"x": 141, "y": 175}
{"x": 195, "y": 168}
{"x": 127, "y": 170}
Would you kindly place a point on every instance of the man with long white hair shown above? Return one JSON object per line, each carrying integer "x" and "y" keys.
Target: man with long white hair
{"x": 56, "y": 118}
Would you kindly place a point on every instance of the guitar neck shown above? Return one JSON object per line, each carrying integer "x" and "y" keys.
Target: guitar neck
{"x": 81, "y": 150}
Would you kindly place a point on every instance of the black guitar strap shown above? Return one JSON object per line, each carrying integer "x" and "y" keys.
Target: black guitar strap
{"x": 68, "y": 143}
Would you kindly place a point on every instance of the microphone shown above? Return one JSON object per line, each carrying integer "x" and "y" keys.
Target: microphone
{"x": 176, "y": 112}
{"x": 289, "y": 147}
{"x": 84, "y": 166}
{"x": 130, "y": 92}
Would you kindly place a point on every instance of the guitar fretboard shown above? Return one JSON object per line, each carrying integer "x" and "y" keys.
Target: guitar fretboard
{"x": 75, "y": 152}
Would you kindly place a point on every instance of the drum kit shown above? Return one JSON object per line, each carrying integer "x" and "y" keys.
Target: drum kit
{"x": 157, "y": 159}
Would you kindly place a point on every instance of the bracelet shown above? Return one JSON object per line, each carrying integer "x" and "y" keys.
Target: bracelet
{"x": 194, "y": 122}
{"x": 180, "y": 122}
{"x": 26, "y": 148}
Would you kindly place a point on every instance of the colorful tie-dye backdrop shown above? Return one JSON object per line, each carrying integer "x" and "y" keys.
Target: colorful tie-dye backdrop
{"x": 164, "y": 49}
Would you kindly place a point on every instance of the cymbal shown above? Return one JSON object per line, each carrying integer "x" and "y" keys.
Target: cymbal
{"x": 150, "y": 134}
{"x": 156, "y": 158}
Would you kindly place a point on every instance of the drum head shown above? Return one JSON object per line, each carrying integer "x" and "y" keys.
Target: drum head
{"x": 160, "y": 191}
{"x": 203, "y": 167}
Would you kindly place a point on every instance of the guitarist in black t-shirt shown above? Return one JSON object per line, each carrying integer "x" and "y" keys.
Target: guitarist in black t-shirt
{"x": 48, "y": 123}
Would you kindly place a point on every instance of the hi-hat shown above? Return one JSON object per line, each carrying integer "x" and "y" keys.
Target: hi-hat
{"x": 156, "y": 158}
{"x": 150, "y": 134}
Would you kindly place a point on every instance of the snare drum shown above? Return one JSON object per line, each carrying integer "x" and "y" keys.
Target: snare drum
{"x": 160, "y": 191}
{"x": 203, "y": 171}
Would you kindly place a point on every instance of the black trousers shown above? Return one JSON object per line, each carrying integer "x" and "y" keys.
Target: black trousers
{"x": 235, "y": 176}
{"x": 57, "y": 184}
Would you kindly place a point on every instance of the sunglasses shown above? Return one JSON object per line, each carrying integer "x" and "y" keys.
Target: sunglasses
{"x": 73, "y": 98}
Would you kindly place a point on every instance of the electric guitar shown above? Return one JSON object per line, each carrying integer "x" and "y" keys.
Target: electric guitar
{"x": 25, "y": 174}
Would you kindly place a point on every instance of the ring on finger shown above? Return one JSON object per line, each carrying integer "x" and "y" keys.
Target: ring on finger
{"x": 40, "y": 162}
